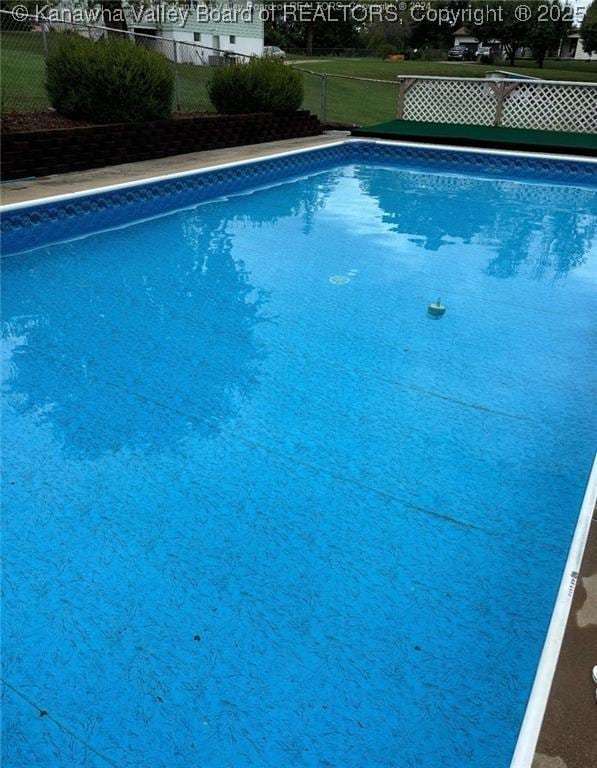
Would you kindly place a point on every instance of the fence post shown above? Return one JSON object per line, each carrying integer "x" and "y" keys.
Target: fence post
{"x": 404, "y": 83}
{"x": 176, "y": 88}
{"x": 44, "y": 33}
{"x": 401, "y": 92}
{"x": 323, "y": 95}
{"x": 503, "y": 90}
{"x": 499, "y": 103}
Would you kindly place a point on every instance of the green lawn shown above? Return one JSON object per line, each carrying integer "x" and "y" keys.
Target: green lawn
{"x": 192, "y": 91}
{"x": 364, "y": 103}
{"x": 23, "y": 74}
{"x": 360, "y": 103}
{"x": 389, "y": 70}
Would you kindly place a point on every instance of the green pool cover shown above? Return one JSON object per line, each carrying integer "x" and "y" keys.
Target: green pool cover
{"x": 484, "y": 136}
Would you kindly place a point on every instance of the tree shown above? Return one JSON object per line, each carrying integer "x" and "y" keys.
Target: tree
{"x": 588, "y": 29}
{"x": 429, "y": 32}
{"x": 541, "y": 28}
{"x": 501, "y": 22}
{"x": 393, "y": 33}
{"x": 546, "y": 28}
{"x": 289, "y": 32}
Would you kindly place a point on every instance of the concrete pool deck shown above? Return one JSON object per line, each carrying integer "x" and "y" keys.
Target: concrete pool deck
{"x": 22, "y": 190}
{"x": 568, "y": 737}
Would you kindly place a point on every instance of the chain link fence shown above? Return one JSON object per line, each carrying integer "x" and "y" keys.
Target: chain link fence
{"x": 25, "y": 45}
{"x": 342, "y": 99}
{"x": 349, "y": 100}
{"x": 341, "y": 53}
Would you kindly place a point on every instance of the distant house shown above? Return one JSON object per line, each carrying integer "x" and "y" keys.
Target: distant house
{"x": 218, "y": 31}
{"x": 194, "y": 32}
{"x": 572, "y": 48}
{"x": 463, "y": 37}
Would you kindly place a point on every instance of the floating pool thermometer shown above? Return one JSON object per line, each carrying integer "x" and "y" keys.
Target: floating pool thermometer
{"x": 436, "y": 309}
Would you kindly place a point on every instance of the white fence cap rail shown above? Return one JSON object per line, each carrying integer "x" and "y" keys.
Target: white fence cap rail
{"x": 519, "y": 81}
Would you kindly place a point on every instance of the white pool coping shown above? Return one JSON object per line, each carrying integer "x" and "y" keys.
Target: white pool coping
{"x": 249, "y": 161}
{"x": 535, "y": 710}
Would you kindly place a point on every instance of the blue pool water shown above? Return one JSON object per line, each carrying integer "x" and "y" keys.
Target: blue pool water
{"x": 256, "y": 517}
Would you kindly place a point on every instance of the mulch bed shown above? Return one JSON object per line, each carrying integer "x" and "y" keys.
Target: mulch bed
{"x": 13, "y": 122}
{"x": 17, "y": 122}
{"x": 331, "y": 125}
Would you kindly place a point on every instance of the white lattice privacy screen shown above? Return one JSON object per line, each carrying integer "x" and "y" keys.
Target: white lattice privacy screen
{"x": 541, "y": 104}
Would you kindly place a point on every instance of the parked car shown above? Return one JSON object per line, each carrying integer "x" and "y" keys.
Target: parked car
{"x": 485, "y": 54}
{"x": 460, "y": 53}
{"x": 273, "y": 52}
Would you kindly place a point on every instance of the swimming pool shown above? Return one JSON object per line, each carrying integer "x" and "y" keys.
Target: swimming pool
{"x": 261, "y": 509}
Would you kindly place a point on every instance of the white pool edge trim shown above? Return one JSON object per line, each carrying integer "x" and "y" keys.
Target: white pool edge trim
{"x": 301, "y": 150}
{"x": 480, "y": 150}
{"x": 528, "y": 736}
{"x": 164, "y": 177}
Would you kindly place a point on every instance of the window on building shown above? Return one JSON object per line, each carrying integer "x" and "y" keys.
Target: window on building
{"x": 232, "y": 39}
{"x": 197, "y": 37}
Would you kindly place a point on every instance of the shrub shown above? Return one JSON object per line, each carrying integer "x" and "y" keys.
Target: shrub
{"x": 433, "y": 54}
{"x": 262, "y": 85}
{"x": 112, "y": 80}
{"x": 387, "y": 49}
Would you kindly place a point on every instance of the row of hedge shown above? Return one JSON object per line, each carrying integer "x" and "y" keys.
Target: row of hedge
{"x": 114, "y": 80}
